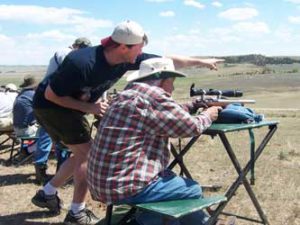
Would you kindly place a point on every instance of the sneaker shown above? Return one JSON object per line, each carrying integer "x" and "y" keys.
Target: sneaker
{"x": 51, "y": 202}
{"x": 84, "y": 217}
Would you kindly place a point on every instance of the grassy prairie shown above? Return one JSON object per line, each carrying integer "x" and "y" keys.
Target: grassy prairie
{"x": 277, "y": 170}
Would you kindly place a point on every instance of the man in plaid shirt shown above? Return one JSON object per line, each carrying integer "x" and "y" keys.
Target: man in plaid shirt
{"x": 130, "y": 154}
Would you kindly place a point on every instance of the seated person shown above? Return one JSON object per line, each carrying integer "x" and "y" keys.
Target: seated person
{"x": 129, "y": 157}
{"x": 8, "y": 94}
{"x": 25, "y": 125}
{"x": 23, "y": 117}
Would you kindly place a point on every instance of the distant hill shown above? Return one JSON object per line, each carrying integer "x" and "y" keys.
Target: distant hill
{"x": 260, "y": 60}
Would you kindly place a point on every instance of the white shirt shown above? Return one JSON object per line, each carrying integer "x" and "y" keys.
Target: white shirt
{"x": 56, "y": 60}
{"x": 6, "y": 103}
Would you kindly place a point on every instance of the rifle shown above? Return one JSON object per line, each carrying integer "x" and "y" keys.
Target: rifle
{"x": 216, "y": 97}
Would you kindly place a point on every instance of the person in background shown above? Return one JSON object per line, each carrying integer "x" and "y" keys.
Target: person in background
{"x": 44, "y": 143}
{"x": 133, "y": 141}
{"x": 8, "y": 94}
{"x": 59, "y": 56}
{"x": 24, "y": 121}
{"x": 75, "y": 89}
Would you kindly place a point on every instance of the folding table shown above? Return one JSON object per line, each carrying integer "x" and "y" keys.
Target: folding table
{"x": 221, "y": 130}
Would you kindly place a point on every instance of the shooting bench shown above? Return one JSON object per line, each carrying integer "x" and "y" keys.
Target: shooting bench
{"x": 221, "y": 130}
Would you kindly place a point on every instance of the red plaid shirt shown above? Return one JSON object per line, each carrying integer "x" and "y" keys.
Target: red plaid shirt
{"x": 131, "y": 146}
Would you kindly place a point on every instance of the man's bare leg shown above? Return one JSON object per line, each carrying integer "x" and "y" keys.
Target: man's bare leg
{"x": 80, "y": 152}
{"x": 65, "y": 171}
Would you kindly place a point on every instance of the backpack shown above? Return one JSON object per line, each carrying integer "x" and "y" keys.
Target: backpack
{"x": 236, "y": 113}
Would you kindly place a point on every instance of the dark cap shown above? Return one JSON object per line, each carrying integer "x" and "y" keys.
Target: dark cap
{"x": 82, "y": 42}
{"x": 29, "y": 82}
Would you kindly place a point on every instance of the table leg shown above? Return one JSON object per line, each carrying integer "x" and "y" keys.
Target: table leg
{"x": 252, "y": 154}
{"x": 242, "y": 177}
{"x": 178, "y": 157}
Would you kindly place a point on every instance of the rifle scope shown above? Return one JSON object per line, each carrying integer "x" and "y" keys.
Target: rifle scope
{"x": 227, "y": 93}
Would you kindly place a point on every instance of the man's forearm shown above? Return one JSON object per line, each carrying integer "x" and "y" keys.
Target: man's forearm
{"x": 186, "y": 61}
{"x": 67, "y": 101}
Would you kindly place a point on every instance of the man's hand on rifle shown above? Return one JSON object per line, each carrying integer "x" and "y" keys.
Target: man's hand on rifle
{"x": 203, "y": 103}
{"x": 213, "y": 112}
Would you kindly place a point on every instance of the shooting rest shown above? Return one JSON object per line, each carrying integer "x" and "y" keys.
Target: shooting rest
{"x": 221, "y": 130}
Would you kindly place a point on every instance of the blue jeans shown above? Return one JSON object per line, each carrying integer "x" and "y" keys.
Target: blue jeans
{"x": 168, "y": 187}
{"x": 43, "y": 149}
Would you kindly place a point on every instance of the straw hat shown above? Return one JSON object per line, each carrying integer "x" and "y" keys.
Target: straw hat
{"x": 155, "y": 68}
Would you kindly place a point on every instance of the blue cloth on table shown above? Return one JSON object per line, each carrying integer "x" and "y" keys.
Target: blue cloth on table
{"x": 236, "y": 113}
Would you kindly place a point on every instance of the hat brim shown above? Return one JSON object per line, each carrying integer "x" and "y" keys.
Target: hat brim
{"x": 29, "y": 86}
{"x": 155, "y": 75}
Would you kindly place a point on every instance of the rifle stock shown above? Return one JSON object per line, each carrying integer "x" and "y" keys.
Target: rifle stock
{"x": 225, "y": 102}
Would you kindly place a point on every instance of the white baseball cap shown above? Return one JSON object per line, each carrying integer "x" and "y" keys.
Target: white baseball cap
{"x": 155, "y": 68}
{"x": 127, "y": 32}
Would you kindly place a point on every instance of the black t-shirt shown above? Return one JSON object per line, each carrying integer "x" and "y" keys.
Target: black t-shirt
{"x": 84, "y": 70}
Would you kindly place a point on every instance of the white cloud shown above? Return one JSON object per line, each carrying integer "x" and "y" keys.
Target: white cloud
{"x": 217, "y": 4}
{"x": 51, "y": 34}
{"x": 288, "y": 36}
{"x": 293, "y": 1}
{"x": 284, "y": 34}
{"x": 239, "y": 13}
{"x": 252, "y": 28}
{"x": 50, "y": 15}
{"x": 294, "y": 19}
{"x": 224, "y": 35}
{"x": 194, "y": 3}
{"x": 167, "y": 13}
{"x": 4, "y": 38}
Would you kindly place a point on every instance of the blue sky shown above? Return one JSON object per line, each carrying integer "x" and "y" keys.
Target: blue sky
{"x": 31, "y": 31}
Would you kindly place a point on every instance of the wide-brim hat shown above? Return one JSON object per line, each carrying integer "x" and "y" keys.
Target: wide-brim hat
{"x": 154, "y": 69}
{"x": 11, "y": 87}
{"x": 29, "y": 82}
{"x": 127, "y": 32}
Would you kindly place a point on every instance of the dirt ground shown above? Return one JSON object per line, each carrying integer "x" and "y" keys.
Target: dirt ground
{"x": 277, "y": 179}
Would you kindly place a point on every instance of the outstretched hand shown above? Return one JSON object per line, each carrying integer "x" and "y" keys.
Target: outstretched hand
{"x": 212, "y": 63}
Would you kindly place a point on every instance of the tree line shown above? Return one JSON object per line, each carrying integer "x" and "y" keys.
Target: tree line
{"x": 260, "y": 60}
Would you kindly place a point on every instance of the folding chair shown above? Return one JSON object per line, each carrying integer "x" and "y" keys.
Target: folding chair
{"x": 9, "y": 136}
{"x": 23, "y": 139}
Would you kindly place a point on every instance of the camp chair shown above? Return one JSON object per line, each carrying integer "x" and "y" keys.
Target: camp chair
{"x": 25, "y": 142}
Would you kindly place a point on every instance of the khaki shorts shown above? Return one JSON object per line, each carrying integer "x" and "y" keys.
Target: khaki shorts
{"x": 65, "y": 125}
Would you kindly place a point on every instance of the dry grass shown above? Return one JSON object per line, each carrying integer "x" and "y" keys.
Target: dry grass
{"x": 277, "y": 179}
{"x": 277, "y": 170}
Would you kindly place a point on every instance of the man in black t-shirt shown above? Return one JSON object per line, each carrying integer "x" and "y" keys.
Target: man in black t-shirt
{"x": 75, "y": 89}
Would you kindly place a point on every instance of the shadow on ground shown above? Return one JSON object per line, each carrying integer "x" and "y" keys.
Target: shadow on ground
{"x": 22, "y": 218}
{"x": 8, "y": 180}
